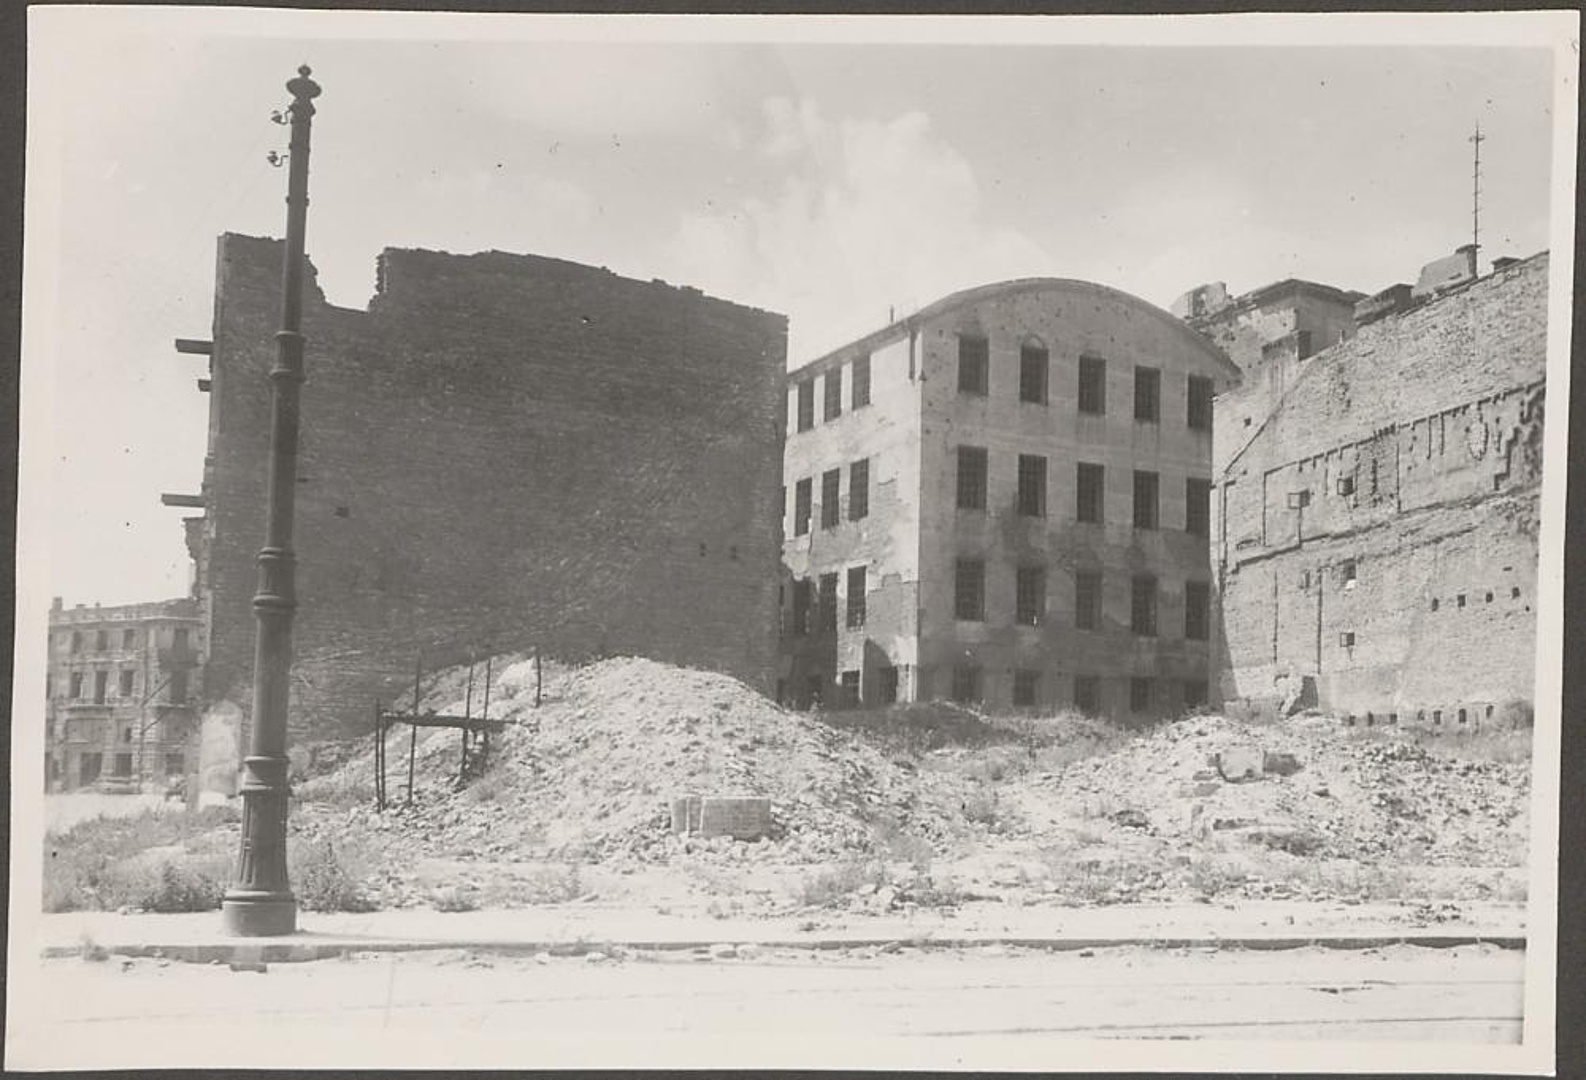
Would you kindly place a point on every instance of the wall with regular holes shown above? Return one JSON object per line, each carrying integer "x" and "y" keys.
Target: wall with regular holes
{"x": 504, "y": 452}
{"x": 1377, "y": 540}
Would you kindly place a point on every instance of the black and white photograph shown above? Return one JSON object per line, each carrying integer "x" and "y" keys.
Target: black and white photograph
{"x": 946, "y": 542}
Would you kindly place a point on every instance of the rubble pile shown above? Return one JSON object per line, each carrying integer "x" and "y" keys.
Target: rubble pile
{"x": 591, "y": 772}
{"x": 1314, "y": 790}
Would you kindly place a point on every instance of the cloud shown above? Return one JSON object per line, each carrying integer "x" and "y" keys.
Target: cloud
{"x": 864, "y": 215}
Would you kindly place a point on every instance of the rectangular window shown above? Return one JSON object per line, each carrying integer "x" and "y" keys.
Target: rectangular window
{"x": 1198, "y": 507}
{"x": 1032, "y": 485}
{"x": 1090, "y": 489}
{"x": 88, "y": 767}
{"x": 969, "y": 590}
{"x": 887, "y": 688}
{"x": 77, "y": 641}
{"x": 175, "y": 765}
{"x": 966, "y": 683}
{"x": 1142, "y": 605}
{"x": 77, "y": 685}
{"x": 1092, "y": 385}
{"x": 856, "y": 597}
{"x": 834, "y": 394}
{"x": 859, "y": 392}
{"x": 102, "y": 640}
{"x": 129, "y": 639}
{"x": 801, "y": 506}
{"x": 1148, "y": 394}
{"x": 1346, "y": 485}
{"x": 1033, "y": 364}
{"x": 1145, "y": 499}
{"x": 806, "y": 403}
{"x": 1299, "y": 500}
{"x": 100, "y": 679}
{"x": 831, "y": 507}
{"x": 1140, "y": 694}
{"x": 1194, "y": 693}
{"x": 1087, "y": 600}
{"x": 801, "y": 606}
{"x": 848, "y": 688}
{"x": 971, "y": 478}
{"x": 858, "y": 489}
{"x": 126, "y": 682}
{"x": 176, "y": 688}
{"x": 827, "y": 592}
{"x": 974, "y": 365}
{"x": 123, "y": 765}
{"x": 1197, "y": 610}
{"x": 1348, "y": 572}
{"x": 1087, "y": 694}
{"x": 1024, "y": 687}
{"x": 1030, "y": 596}
{"x": 1199, "y": 412}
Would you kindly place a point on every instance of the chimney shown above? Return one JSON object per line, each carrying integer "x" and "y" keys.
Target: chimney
{"x": 57, "y": 604}
{"x": 1469, "y": 251}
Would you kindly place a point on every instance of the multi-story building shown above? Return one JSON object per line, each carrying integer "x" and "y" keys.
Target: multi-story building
{"x": 503, "y": 452}
{"x": 1003, "y": 498}
{"x": 120, "y": 688}
{"x": 1376, "y": 517}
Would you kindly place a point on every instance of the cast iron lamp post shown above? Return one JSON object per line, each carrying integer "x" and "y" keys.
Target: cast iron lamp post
{"x": 260, "y": 902}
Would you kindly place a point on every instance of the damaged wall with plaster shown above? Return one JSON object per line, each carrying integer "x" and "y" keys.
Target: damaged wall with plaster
{"x": 504, "y": 452}
{"x": 1377, "y": 535}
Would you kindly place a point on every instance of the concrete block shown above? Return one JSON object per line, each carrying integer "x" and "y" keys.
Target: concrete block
{"x": 740, "y": 817}
{"x": 1237, "y": 763}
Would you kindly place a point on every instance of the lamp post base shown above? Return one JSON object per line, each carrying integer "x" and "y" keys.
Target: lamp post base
{"x": 259, "y": 914}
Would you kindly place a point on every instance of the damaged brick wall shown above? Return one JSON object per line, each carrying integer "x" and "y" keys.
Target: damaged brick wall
{"x": 1378, "y": 535}
{"x": 503, "y": 452}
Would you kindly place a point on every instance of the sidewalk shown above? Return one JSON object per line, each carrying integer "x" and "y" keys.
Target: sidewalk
{"x": 574, "y": 928}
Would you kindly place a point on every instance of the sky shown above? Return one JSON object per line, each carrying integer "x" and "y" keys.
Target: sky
{"x": 830, "y": 170}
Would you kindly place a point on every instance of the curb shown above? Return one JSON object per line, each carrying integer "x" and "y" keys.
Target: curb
{"x": 282, "y": 952}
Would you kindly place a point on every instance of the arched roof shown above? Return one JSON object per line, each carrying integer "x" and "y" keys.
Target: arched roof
{"x": 1017, "y": 286}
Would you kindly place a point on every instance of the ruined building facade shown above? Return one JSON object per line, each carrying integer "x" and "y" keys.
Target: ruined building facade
{"x": 1004, "y": 499}
{"x": 120, "y": 688}
{"x": 502, "y": 452}
{"x": 1377, "y": 504}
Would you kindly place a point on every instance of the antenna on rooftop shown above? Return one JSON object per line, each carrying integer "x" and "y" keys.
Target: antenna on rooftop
{"x": 1475, "y": 195}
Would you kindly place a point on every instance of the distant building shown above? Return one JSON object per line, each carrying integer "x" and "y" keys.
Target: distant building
{"x": 503, "y": 452}
{"x": 1377, "y": 506}
{"x": 1003, "y": 498}
{"x": 120, "y": 688}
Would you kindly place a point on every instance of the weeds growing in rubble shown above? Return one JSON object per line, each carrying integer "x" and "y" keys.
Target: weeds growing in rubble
{"x": 834, "y": 883}
{"x": 102, "y": 865}
{"x": 336, "y": 791}
{"x": 327, "y": 876}
{"x": 548, "y": 885}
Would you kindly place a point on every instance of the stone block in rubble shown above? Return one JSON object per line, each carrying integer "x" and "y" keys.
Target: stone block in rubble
{"x": 1238, "y": 763}
{"x": 1280, "y": 763}
{"x": 738, "y": 817}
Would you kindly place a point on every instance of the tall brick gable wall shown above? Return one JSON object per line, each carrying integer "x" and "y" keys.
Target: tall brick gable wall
{"x": 1376, "y": 532}
{"x": 503, "y": 452}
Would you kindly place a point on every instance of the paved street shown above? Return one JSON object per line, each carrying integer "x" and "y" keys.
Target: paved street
{"x": 958, "y": 998}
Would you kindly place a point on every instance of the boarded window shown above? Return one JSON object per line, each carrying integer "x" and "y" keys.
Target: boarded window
{"x": 969, "y": 590}
{"x": 1087, "y": 600}
{"x": 1198, "y": 413}
{"x": 1090, "y": 481}
{"x": 1025, "y": 684}
{"x": 801, "y": 506}
{"x": 856, "y": 597}
{"x": 834, "y": 394}
{"x": 1145, "y": 499}
{"x": 1033, "y": 364}
{"x": 859, "y": 392}
{"x": 858, "y": 489}
{"x": 1142, "y": 605}
{"x": 1197, "y": 610}
{"x": 971, "y": 478}
{"x": 966, "y": 683}
{"x": 1030, "y": 595}
{"x": 1092, "y": 385}
{"x": 1087, "y": 693}
{"x": 1032, "y": 485}
{"x": 1198, "y": 507}
{"x": 974, "y": 365}
{"x": 831, "y": 507}
{"x": 806, "y": 403}
{"x": 1148, "y": 394}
